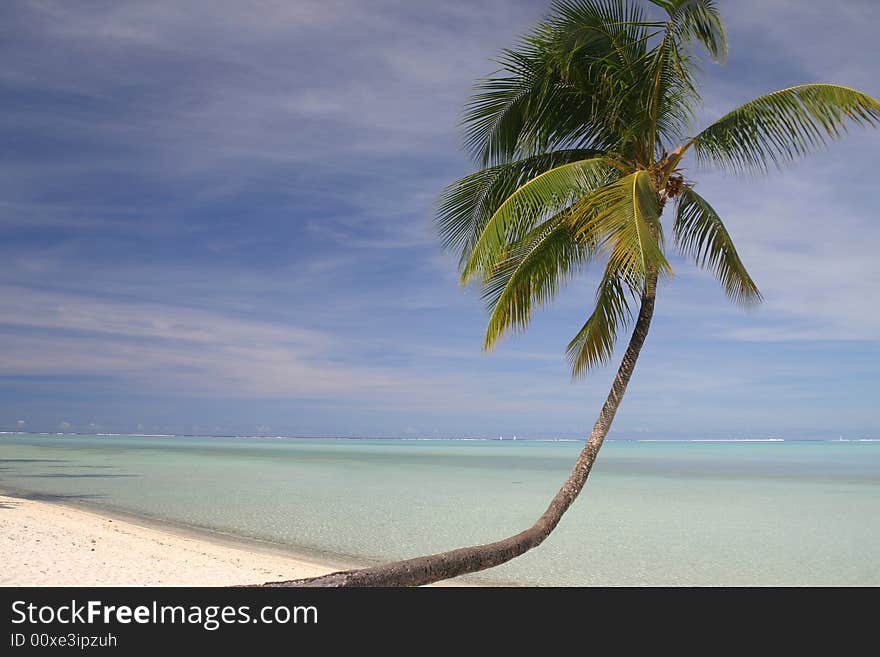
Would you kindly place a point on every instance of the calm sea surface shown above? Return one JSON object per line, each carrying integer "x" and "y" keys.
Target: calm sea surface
{"x": 792, "y": 513}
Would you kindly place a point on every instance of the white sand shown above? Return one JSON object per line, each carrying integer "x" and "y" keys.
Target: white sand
{"x": 43, "y": 544}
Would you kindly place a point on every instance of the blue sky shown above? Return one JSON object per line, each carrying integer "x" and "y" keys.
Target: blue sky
{"x": 216, "y": 217}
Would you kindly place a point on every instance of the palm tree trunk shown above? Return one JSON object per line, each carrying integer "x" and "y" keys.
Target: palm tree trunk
{"x": 436, "y": 567}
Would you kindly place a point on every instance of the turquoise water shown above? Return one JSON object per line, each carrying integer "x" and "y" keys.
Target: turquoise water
{"x": 792, "y": 513}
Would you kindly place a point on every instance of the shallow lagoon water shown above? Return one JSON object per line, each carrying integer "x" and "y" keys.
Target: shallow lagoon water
{"x": 653, "y": 513}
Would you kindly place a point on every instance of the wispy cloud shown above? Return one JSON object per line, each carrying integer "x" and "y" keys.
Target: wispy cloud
{"x": 190, "y": 350}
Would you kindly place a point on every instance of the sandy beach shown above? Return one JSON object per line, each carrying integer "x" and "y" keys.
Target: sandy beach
{"x": 46, "y": 544}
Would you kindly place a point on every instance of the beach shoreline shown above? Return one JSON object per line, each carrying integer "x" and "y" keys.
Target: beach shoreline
{"x": 55, "y": 543}
{"x": 63, "y": 543}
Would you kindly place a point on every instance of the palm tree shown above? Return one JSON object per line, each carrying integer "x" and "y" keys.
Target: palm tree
{"x": 581, "y": 137}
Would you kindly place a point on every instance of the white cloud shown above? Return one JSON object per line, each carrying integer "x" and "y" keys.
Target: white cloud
{"x": 204, "y": 352}
{"x": 165, "y": 348}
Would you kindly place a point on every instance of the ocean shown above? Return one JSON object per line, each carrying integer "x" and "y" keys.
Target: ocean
{"x": 653, "y": 513}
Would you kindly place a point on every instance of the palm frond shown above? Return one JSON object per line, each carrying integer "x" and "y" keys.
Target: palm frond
{"x": 699, "y": 21}
{"x": 594, "y": 343}
{"x": 573, "y": 82}
{"x": 610, "y": 31}
{"x": 530, "y": 275}
{"x": 465, "y": 206}
{"x": 602, "y": 50}
{"x": 673, "y": 96}
{"x": 545, "y": 195}
{"x": 783, "y": 126}
{"x": 504, "y": 113}
{"x": 700, "y": 233}
{"x": 622, "y": 220}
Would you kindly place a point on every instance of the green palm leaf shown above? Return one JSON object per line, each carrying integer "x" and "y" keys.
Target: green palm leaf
{"x": 622, "y": 220}
{"x": 585, "y": 127}
{"x": 700, "y": 233}
{"x": 698, "y": 20}
{"x": 573, "y": 83}
{"x": 467, "y": 205}
{"x": 502, "y": 116}
{"x": 594, "y": 343}
{"x": 547, "y": 194}
{"x": 672, "y": 96}
{"x": 529, "y": 107}
{"x": 783, "y": 126}
{"x": 530, "y": 275}
{"x": 611, "y": 34}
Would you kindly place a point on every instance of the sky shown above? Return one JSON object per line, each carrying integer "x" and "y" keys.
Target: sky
{"x": 217, "y": 218}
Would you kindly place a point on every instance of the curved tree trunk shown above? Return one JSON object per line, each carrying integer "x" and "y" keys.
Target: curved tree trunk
{"x": 436, "y": 567}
